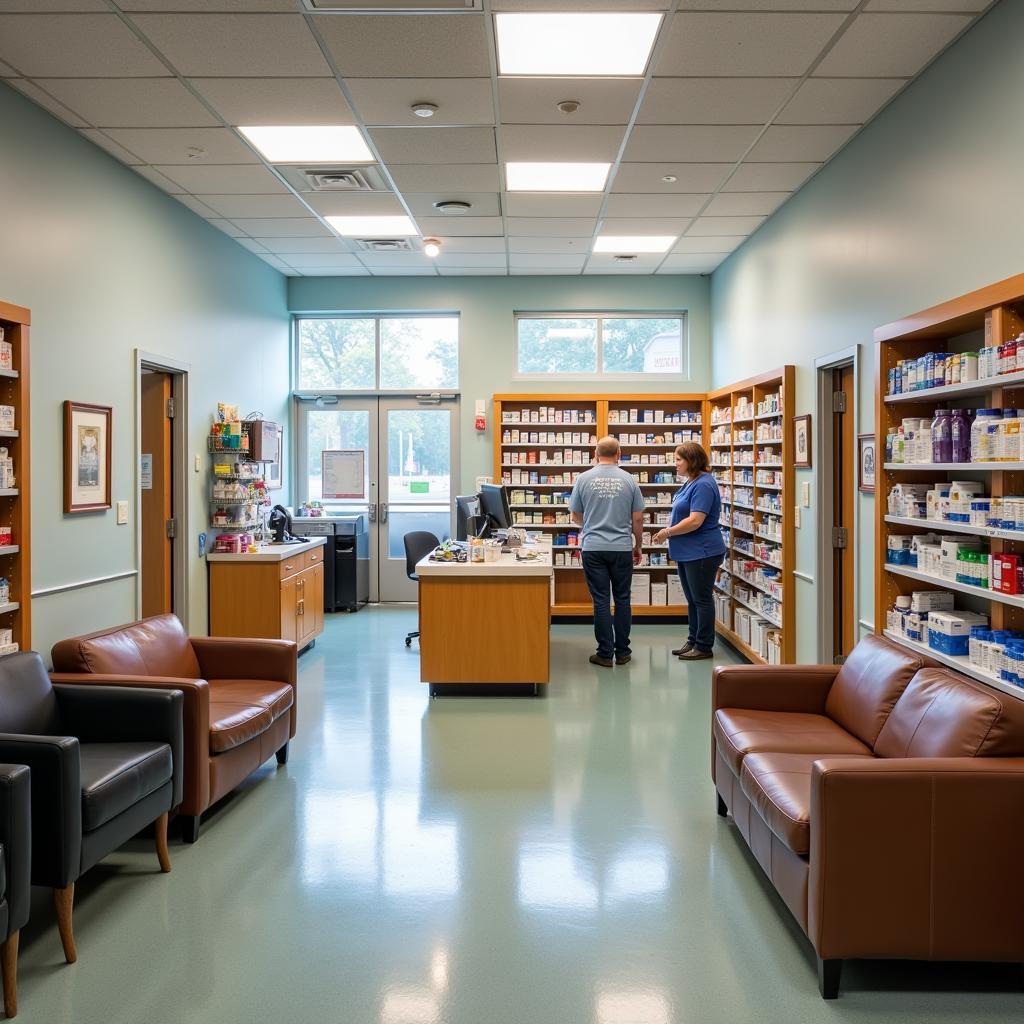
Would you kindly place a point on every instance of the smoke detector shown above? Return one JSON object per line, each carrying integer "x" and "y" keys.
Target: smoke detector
{"x": 384, "y": 244}
{"x": 424, "y": 109}
{"x": 568, "y": 106}
{"x": 453, "y": 206}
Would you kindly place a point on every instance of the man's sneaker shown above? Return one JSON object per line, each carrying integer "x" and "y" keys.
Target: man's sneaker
{"x": 623, "y": 659}
{"x": 688, "y": 646}
{"x": 596, "y": 659}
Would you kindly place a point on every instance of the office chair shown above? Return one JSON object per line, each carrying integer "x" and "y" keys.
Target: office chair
{"x": 417, "y": 544}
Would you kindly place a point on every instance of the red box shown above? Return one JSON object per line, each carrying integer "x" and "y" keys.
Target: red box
{"x": 1004, "y": 573}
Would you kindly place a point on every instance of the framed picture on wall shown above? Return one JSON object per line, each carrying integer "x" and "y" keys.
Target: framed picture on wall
{"x": 87, "y": 436}
{"x": 802, "y": 441}
{"x": 867, "y": 451}
{"x": 275, "y": 468}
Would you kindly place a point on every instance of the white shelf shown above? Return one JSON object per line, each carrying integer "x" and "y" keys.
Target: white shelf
{"x": 11, "y": 606}
{"x": 766, "y": 487}
{"x": 768, "y": 511}
{"x": 746, "y": 419}
{"x": 741, "y": 529}
{"x": 547, "y": 526}
{"x": 940, "y": 524}
{"x": 932, "y": 467}
{"x": 545, "y": 423}
{"x": 9, "y": 549}
{"x": 738, "y": 504}
{"x": 766, "y": 536}
{"x": 552, "y": 444}
{"x": 757, "y": 586}
{"x": 10, "y": 373}
{"x": 9, "y": 492}
{"x": 769, "y": 416}
{"x": 581, "y": 466}
{"x": 1017, "y": 600}
{"x": 756, "y": 558}
{"x": 756, "y": 611}
{"x": 10, "y": 433}
{"x": 971, "y": 387}
{"x": 959, "y": 662}
{"x": 626, "y": 424}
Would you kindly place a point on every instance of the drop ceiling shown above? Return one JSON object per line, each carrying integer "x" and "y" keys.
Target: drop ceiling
{"x": 741, "y": 103}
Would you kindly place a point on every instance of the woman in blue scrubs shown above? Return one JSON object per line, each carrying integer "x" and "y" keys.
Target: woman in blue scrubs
{"x": 696, "y": 545}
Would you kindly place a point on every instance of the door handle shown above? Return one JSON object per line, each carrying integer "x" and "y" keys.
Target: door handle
{"x": 383, "y": 511}
{"x": 372, "y": 512}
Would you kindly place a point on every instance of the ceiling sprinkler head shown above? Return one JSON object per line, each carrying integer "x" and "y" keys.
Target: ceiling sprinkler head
{"x": 424, "y": 109}
{"x": 669, "y": 178}
{"x": 195, "y": 152}
{"x": 569, "y": 106}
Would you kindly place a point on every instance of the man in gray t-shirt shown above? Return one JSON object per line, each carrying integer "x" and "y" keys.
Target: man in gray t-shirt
{"x": 606, "y": 501}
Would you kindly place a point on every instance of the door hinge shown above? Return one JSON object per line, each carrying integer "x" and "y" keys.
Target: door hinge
{"x": 839, "y": 537}
{"x": 170, "y": 408}
{"x": 172, "y": 528}
{"x": 839, "y": 401}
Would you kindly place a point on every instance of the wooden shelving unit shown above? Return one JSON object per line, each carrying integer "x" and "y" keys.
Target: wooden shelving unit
{"x": 990, "y": 316}
{"x": 543, "y": 487}
{"x": 749, "y": 440}
{"x": 15, "y": 507}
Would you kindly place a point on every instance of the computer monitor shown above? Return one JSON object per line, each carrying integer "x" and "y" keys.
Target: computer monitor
{"x": 467, "y": 509}
{"x": 494, "y": 507}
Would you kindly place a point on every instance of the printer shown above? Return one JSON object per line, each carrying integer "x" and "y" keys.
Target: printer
{"x": 346, "y": 557}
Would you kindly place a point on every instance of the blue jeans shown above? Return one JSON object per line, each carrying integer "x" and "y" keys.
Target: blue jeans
{"x": 604, "y": 571}
{"x": 698, "y": 580}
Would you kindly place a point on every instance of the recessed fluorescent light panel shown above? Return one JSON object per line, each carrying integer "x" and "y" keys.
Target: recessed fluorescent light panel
{"x": 552, "y": 177}
{"x": 292, "y": 144}
{"x": 370, "y": 227}
{"x": 633, "y": 243}
{"x": 575, "y": 44}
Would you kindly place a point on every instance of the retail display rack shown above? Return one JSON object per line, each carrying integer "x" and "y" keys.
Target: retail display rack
{"x": 238, "y": 492}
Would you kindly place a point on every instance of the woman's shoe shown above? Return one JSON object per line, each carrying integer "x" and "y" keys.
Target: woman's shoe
{"x": 679, "y": 651}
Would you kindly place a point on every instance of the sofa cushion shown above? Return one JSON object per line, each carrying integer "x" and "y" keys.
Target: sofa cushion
{"x": 739, "y": 732}
{"x": 233, "y": 723}
{"x": 115, "y": 776}
{"x": 779, "y": 788}
{"x": 277, "y": 698}
{"x": 939, "y": 715}
{"x": 868, "y": 685}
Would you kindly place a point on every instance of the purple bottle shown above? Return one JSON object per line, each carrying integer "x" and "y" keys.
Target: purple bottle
{"x": 942, "y": 436}
{"x": 960, "y": 435}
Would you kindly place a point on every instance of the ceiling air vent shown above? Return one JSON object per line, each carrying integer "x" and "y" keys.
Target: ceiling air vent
{"x": 390, "y": 6}
{"x": 338, "y": 181}
{"x": 385, "y": 244}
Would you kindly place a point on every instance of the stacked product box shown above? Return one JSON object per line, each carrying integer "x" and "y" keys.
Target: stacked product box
{"x": 949, "y": 631}
{"x": 723, "y": 609}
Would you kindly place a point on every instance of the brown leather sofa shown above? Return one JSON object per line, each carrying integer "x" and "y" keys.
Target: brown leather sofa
{"x": 885, "y": 801}
{"x": 239, "y": 697}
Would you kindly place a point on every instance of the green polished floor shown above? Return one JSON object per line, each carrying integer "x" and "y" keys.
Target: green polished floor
{"x": 469, "y": 861}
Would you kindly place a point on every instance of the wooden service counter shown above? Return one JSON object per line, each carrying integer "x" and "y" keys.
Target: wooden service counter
{"x": 485, "y": 622}
{"x": 276, "y": 593}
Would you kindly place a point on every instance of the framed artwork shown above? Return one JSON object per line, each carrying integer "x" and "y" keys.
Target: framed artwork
{"x": 867, "y": 451}
{"x": 87, "y": 437}
{"x": 275, "y": 468}
{"x": 802, "y": 441}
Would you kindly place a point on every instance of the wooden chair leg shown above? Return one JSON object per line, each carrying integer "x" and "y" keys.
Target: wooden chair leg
{"x": 9, "y": 967}
{"x": 63, "y": 900}
{"x": 161, "y": 843}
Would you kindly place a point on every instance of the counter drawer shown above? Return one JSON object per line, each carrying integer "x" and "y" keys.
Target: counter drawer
{"x": 315, "y": 556}
{"x": 295, "y": 563}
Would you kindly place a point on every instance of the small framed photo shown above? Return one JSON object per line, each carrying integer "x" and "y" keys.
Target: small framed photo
{"x": 867, "y": 451}
{"x": 802, "y": 441}
{"x": 274, "y": 468}
{"x": 87, "y": 435}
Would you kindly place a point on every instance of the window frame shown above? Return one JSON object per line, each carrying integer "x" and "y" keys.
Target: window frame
{"x": 600, "y": 316}
{"x": 376, "y": 317}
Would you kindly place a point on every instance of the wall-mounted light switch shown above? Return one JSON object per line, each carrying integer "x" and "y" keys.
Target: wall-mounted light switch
{"x": 805, "y": 494}
{"x": 122, "y": 513}
{"x": 197, "y": 463}
{"x": 796, "y": 517}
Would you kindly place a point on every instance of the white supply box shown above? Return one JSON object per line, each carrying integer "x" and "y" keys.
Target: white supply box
{"x": 931, "y": 600}
{"x": 640, "y": 588}
{"x": 659, "y": 594}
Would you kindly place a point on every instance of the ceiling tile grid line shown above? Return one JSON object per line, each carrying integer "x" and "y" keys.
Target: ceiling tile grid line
{"x": 499, "y": 142}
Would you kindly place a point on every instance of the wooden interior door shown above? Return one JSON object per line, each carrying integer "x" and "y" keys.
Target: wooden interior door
{"x": 844, "y": 483}
{"x": 157, "y": 597}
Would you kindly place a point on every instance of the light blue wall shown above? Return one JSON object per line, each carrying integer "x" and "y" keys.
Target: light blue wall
{"x": 487, "y": 305}
{"x": 107, "y": 263}
{"x": 924, "y": 205}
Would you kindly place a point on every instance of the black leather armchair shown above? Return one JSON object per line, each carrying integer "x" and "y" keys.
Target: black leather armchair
{"x": 106, "y": 762}
{"x": 15, "y": 865}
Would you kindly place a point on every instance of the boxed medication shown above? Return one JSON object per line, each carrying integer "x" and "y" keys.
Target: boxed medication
{"x": 933, "y": 499}
{"x": 659, "y": 593}
{"x": 640, "y": 588}
{"x": 675, "y": 590}
{"x": 931, "y": 600}
{"x": 949, "y": 632}
{"x": 898, "y": 549}
{"x": 1004, "y": 572}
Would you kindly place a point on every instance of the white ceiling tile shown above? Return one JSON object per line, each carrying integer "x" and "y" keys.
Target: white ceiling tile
{"x": 548, "y": 260}
{"x": 74, "y": 45}
{"x": 620, "y": 269}
{"x": 769, "y": 177}
{"x": 644, "y": 225}
{"x": 362, "y": 204}
{"x": 543, "y": 272}
{"x": 282, "y": 227}
{"x": 6, "y": 71}
{"x": 461, "y": 259}
{"x": 703, "y": 244}
{"x": 403, "y": 271}
{"x": 839, "y": 100}
{"x": 409, "y": 46}
{"x": 647, "y": 261}
{"x": 894, "y": 45}
{"x": 276, "y": 263}
{"x": 197, "y": 206}
{"x": 959, "y": 6}
{"x": 435, "y": 145}
{"x": 284, "y": 246}
{"x": 234, "y": 207}
{"x": 481, "y": 204}
{"x": 677, "y": 205}
{"x": 532, "y": 204}
{"x": 173, "y": 145}
{"x": 389, "y": 101}
{"x": 230, "y": 6}
{"x": 277, "y": 101}
{"x": 55, "y": 107}
{"x": 534, "y": 244}
{"x": 637, "y": 178}
{"x": 745, "y": 44}
{"x": 693, "y": 263}
{"x": 394, "y": 259}
{"x": 472, "y": 271}
{"x": 56, "y": 6}
{"x": 252, "y": 245}
{"x": 227, "y": 227}
{"x": 457, "y": 177}
{"x": 696, "y": 143}
{"x": 591, "y": 5}
{"x": 548, "y": 142}
{"x": 714, "y": 100}
{"x": 468, "y": 246}
{"x": 132, "y": 102}
{"x": 320, "y": 259}
{"x": 243, "y": 45}
{"x": 234, "y": 179}
{"x": 767, "y": 5}
{"x": 334, "y": 272}
{"x": 160, "y": 180}
{"x": 565, "y": 227}
{"x": 723, "y": 226}
{"x": 746, "y": 204}
{"x": 535, "y": 100}
{"x": 801, "y": 142}
{"x": 440, "y": 227}
{"x": 98, "y": 138}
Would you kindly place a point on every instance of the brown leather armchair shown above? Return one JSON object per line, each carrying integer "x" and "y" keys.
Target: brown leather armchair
{"x": 883, "y": 799}
{"x": 240, "y": 697}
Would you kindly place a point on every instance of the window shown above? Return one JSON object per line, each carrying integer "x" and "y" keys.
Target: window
{"x": 371, "y": 353}
{"x": 601, "y": 345}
